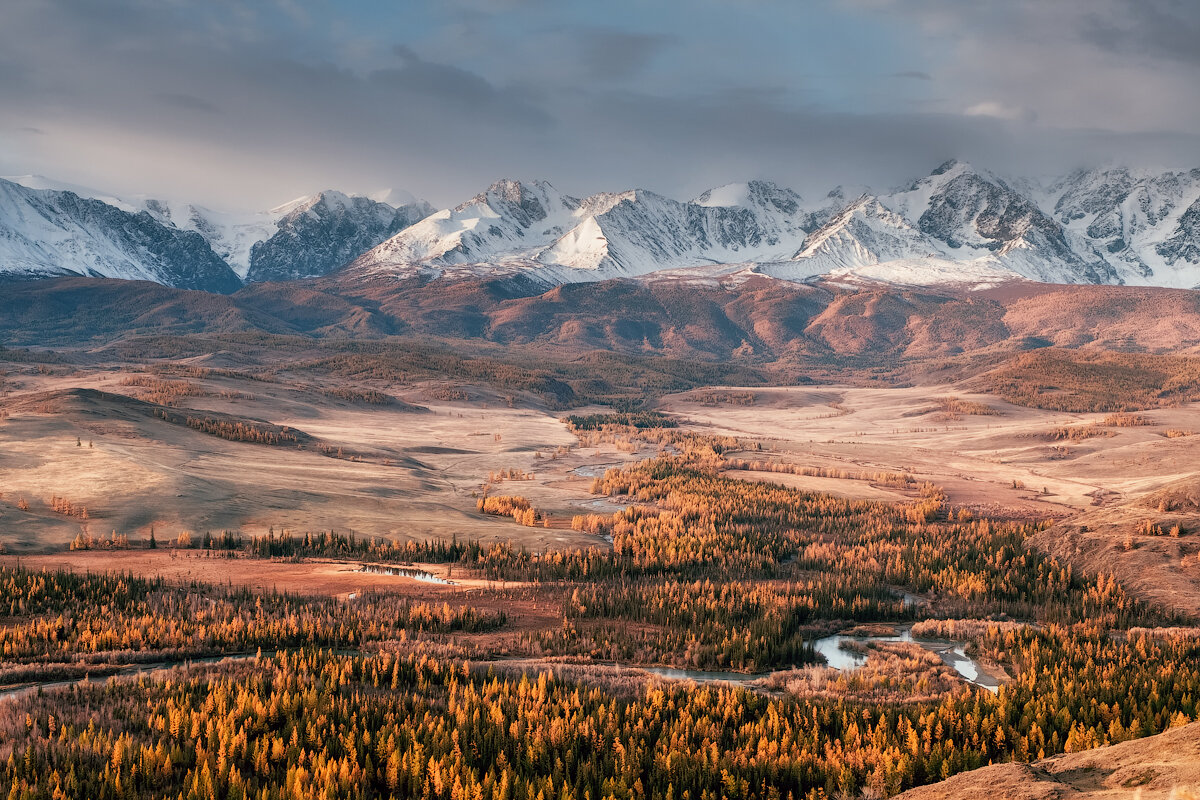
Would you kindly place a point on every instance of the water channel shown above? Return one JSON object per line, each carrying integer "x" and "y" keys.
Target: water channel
{"x": 952, "y": 653}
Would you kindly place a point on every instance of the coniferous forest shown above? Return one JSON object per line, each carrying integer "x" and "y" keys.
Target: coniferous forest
{"x": 380, "y": 696}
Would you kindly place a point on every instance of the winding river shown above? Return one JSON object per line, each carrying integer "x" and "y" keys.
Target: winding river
{"x": 132, "y": 670}
{"x": 952, "y": 653}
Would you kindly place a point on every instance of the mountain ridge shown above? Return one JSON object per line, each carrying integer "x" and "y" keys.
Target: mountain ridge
{"x": 995, "y": 229}
{"x": 957, "y": 225}
{"x": 758, "y": 320}
{"x": 42, "y": 235}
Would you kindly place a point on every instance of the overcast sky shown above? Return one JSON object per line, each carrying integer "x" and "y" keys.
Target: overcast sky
{"x": 249, "y": 104}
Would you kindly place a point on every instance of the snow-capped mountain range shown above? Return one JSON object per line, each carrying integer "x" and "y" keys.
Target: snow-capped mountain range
{"x": 47, "y": 233}
{"x": 49, "y": 229}
{"x": 957, "y": 225}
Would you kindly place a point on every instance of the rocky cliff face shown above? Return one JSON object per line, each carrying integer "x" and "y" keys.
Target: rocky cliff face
{"x": 327, "y": 232}
{"x": 1142, "y": 223}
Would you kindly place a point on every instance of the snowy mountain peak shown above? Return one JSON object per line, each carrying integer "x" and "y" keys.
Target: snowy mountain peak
{"x": 603, "y": 202}
{"x": 325, "y": 232}
{"x": 752, "y": 194}
{"x": 309, "y": 236}
{"x": 394, "y": 197}
{"x": 328, "y": 200}
{"x": 919, "y": 193}
{"x": 291, "y": 205}
{"x": 972, "y": 214}
{"x": 1142, "y": 223}
{"x": 493, "y": 225}
{"x": 1111, "y": 225}
{"x": 333, "y": 199}
{"x": 41, "y": 182}
{"x": 522, "y": 203}
{"x": 950, "y": 165}
{"x": 49, "y": 232}
{"x": 865, "y": 232}
{"x": 730, "y": 194}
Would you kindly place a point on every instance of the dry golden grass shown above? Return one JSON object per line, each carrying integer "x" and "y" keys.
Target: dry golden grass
{"x": 406, "y": 475}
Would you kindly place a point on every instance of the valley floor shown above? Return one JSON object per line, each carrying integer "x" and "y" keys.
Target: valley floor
{"x": 871, "y": 509}
{"x": 414, "y": 470}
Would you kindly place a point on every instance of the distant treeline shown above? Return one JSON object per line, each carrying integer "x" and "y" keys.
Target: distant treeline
{"x": 561, "y": 379}
{"x": 632, "y": 419}
{"x": 1081, "y": 382}
{"x": 235, "y": 430}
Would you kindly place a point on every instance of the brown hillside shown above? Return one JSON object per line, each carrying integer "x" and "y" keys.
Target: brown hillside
{"x": 1157, "y": 767}
{"x": 763, "y": 322}
{"x": 1133, "y": 541}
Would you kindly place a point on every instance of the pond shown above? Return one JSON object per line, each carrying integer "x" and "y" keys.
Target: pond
{"x": 405, "y": 572}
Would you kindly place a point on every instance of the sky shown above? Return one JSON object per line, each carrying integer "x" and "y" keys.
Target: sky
{"x": 250, "y": 104}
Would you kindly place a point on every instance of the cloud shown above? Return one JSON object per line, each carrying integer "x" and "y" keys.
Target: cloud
{"x": 187, "y": 102}
{"x": 428, "y": 77}
{"x": 447, "y": 92}
{"x": 998, "y": 110}
{"x": 616, "y": 55}
{"x": 1118, "y": 65}
{"x": 241, "y": 105}
{"x": 1159, "y": 29}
